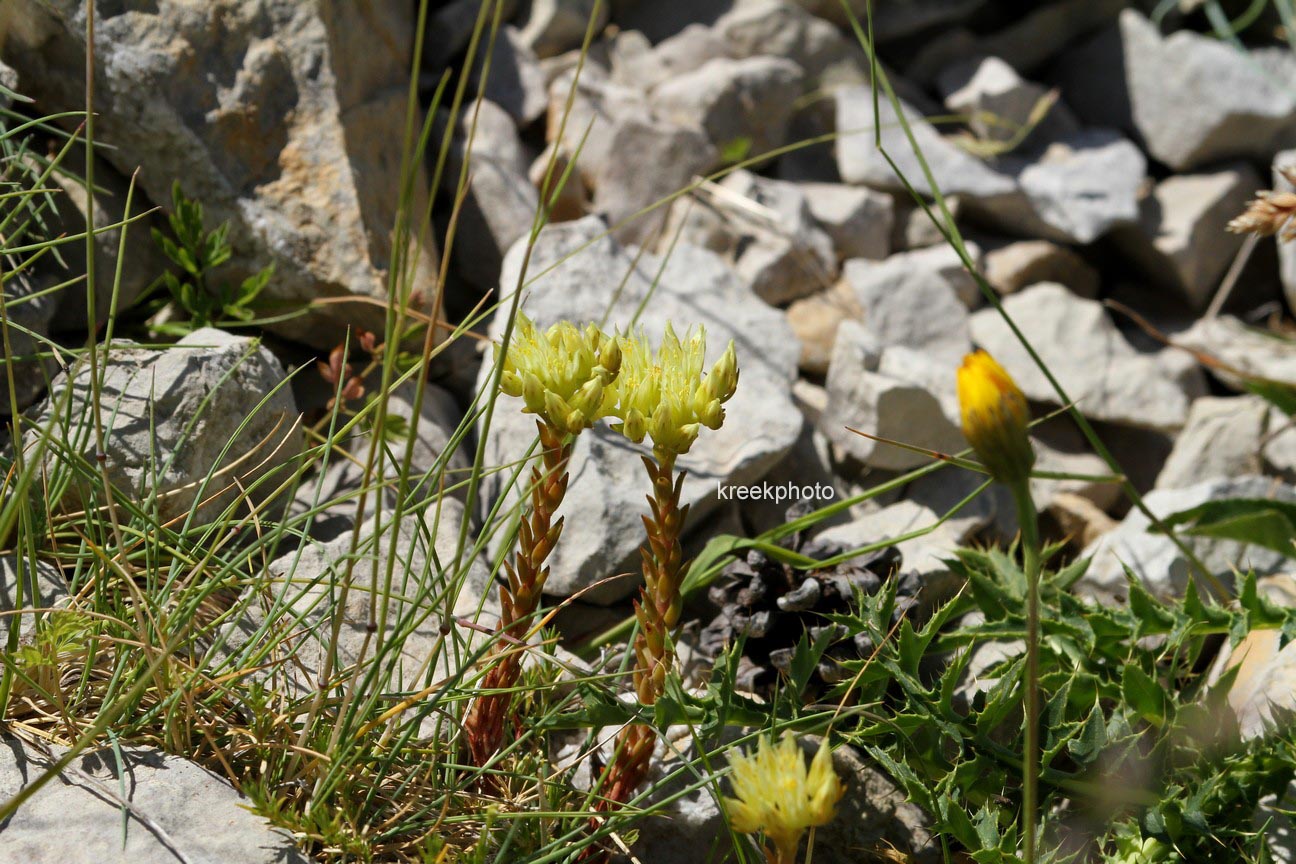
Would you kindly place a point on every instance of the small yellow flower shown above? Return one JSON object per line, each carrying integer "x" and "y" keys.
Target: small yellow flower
{"x": 995, "y": 418}
{"x": 562, "y": 374}
{"x": 777, "y": 796}
{"x": 666, "y": 396}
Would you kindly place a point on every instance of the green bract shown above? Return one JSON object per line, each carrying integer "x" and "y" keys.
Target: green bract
{"x": 667, "y": 397}
{"x": 562, "y": 374}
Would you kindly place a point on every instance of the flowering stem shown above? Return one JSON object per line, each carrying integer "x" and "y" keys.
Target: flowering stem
{"x": 519, "y": 601}
{"x": 658, "y": 611}
{"x": 1029, "y": 521}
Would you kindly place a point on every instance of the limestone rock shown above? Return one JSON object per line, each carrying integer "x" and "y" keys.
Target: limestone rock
{"x": 1182, "y": 239}
{"x": 917, "y": 300}
{"x": 734, "y": 101}
{"x": 1221, "y": 438}
{"x": 1020, "y": 264}
{"x": 858, "y": 220}
{"x": 309, "y": 582}
{"x": 814, "y": 321}
{"x": 192, "y": 814}
{"x": 862, "y": 397}
{"x": 1093, "y": 361}
{"x": 999, "y": 102}
{"x": 555, "y": 26}
{"x": 1241, "y": 347}
{"x": 1191, "y": 98}
{"x": 170, "y": 417}
{"x": 1078, "y": 189}
{"x": 956, "y": 171}
{"x": 1286, "y": 251}
{"x": 284, "y": 118}
{"x": 1158, "y": 562}
{"x": 515, "y": 81}
{"x": 42, "y": 586}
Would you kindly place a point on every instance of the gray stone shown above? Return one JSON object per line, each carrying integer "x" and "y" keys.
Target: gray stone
{"x": 1279, "y": 445}
{"x": 814, "y": 321}
{"x": 1093, "y": 361}
{"x": 607, "y": 476}
{"x": 1077, "y": 190}
{"x": 862, "y": 397}
{"x": 1017, "y": 265}
{"x": 999, "y": 102}
{"x": 149, "y": 808}
{"x": 1238, "y": 346}
{"x": 1181, "y": 239}
{"x": 859, "y": 160}
{"x": 638, "y": 64}
{"x": 1035, "y": 37}
{"x": 915, "y": 229}
{"x": 28, "y": 310}
{"x": 1222, "y": 438}
{"x": 858, "y": 220}
{"x": 499, "y": 207}
{"x": 622, "y": 189}
{"x": 450, "y": 27}
{"x": 555, "y": 26}
{"x": 285, "y": 119}
{"x": 515, "y": 81}
{"x": 923, "y": 554}
{"x": 783, "y": 253}
{"x": 1191, "y": 98}
{"x": 141, "y": 261}
{"x": 734, "y": 101}
{"x": 764, "y": 227}
{"x": 306, "y": 585}
{"x": 1265, "y": 678}
{"x": 41, "y": 586}
{"x": 917, "y": 300}
{"x": 899, "y": 19}
{"x": 1286, "y": 250}
{"x": 780, "y": 29}
{"x": 1159, "y": 563}
{"x": 8, "y": 81}
{"x": 170, "y": 417}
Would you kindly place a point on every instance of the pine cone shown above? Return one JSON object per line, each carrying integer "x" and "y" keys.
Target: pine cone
{"x": 774, "y": 605}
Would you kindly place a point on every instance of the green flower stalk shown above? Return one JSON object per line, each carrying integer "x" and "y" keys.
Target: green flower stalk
{"x": 776, "y": 796}
{"x": 996, "y": 422}
{"x": 564, "y": 377}
{"x": 668, "y": 398}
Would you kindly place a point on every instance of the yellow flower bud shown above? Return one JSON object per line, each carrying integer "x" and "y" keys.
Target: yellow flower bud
{"x": 562, "y": 373}
{"x": 995, "y": 418}
{"x": 777, "y": 796}
{"x": 666, "y": 395}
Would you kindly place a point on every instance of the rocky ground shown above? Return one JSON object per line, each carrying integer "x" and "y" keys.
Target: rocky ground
{"x": 1097, "y": 162}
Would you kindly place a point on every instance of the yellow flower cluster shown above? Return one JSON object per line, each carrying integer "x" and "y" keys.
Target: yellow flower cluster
{"x": 562, "y": 374}
{"x": 666, "y": 396}
{"x": 777, "y": 796}
{"x": 996, "y": 418}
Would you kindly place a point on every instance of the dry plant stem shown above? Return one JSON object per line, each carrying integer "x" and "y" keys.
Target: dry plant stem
{"x": 537, "y": 536}
{"x": 658, "y": 612}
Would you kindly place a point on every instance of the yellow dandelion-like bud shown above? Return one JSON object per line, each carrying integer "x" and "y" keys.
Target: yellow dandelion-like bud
{"x": 776, "y": 795}
{"x": 562, "y": 374}
{"x": 667, "y": 396}
{"x": 995, "y": 418}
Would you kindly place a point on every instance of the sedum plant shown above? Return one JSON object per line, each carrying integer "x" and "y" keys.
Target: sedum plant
{"x": 564, "y": 377}
{"x": 668, "y": 397}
